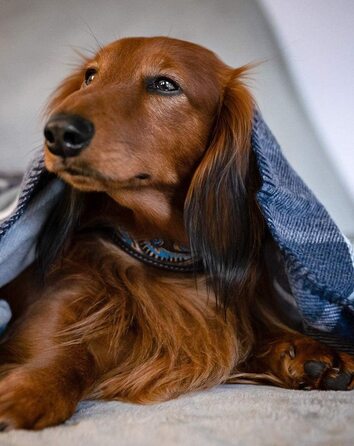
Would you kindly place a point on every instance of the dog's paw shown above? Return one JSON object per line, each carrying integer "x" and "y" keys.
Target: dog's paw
{"x": 307, "y": 364}
{"x": 27, "y": 401}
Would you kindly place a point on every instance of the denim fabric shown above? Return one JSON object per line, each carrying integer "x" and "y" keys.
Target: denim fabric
{"x": 315, "y": 256}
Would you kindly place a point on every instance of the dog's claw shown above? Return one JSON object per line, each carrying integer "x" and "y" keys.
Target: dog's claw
{"x": 291, "y": 351}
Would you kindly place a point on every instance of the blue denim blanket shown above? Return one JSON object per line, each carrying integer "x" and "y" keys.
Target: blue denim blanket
{"x": 311, "y": 261}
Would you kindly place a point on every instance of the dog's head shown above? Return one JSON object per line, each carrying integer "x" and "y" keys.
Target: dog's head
{"x": 137, "y": 115}
{"x": 149, "y": 115}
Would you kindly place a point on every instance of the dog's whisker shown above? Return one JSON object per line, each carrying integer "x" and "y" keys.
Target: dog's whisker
{"x": 99, "y": 44}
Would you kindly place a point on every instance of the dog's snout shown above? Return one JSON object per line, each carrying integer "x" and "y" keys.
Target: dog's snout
{"x": 67, "y": 135}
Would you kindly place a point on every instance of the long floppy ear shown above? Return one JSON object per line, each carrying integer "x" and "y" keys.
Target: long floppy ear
{"x": 58, "y": 229}
{"x": 221, "y": 215}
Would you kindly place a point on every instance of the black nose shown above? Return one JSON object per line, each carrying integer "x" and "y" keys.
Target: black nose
{"x": 67, "y": 135}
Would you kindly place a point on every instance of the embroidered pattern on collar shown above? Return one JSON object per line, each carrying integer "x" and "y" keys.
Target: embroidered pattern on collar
{"x": 158, "y": 252}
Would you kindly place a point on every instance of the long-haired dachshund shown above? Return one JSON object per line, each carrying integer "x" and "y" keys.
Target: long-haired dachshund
{"x": 150, "y": 279}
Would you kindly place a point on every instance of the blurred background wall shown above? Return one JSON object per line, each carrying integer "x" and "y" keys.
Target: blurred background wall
{"x": 301, "y": 87}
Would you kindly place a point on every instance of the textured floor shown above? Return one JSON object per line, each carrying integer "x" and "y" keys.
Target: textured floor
{"x": 228, "y": 415}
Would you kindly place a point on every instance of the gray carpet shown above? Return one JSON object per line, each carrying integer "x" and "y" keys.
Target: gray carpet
{"x": 238, "y": 415}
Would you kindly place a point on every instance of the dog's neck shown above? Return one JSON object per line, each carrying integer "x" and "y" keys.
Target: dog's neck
{"x": 150, "y": 213}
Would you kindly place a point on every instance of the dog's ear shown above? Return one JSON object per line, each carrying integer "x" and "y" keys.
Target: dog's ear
{"x": 221, "y": 214}
{"x": 58, "y": 229}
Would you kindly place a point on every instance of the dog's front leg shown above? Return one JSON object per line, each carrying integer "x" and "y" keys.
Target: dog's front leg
{"x": 42, "y": 377}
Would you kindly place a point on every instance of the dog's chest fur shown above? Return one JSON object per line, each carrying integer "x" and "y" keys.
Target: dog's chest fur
{"x": 161, "y": 329}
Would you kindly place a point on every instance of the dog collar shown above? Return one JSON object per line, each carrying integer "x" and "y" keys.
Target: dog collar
{"x": 157, "y": 252}
{"x": 160, "y": 253}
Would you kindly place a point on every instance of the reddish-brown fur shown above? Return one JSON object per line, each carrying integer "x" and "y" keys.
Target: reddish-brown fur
{"x": 103, "y": 325}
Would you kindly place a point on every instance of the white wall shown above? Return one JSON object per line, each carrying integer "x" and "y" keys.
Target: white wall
{"x": 36, "y": 45}
{"x": 317, "y": 40}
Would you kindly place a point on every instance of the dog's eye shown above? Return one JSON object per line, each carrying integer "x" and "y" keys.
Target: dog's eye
{"x": 90, "y": 75}
{"x": 163, "y": 85}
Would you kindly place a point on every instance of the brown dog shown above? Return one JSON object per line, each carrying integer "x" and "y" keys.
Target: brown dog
{"x": 152, "y": 136}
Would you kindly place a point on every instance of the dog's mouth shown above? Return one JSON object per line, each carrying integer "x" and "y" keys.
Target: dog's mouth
{"x": 82, "y": 177}
{"x": 80, "y": 171}
{"x": 77, "y": 172}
